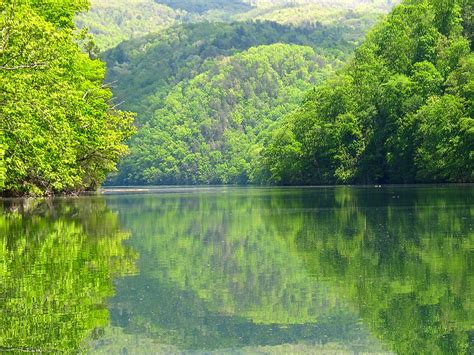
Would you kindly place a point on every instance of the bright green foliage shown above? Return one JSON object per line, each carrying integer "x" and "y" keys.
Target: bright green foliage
{"x": 59, "y": 131}
{"x": 210, "y": 128}
{"x": 401, "y": 111}
{"x": 56, "y": 272}
{"x": 2, "y": 161}
{"x": 144, "y": 70}
{"x": 59, "y": 13}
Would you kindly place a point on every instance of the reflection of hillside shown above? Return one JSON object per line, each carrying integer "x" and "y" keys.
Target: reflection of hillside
{"x": 405, "y": 258}
{"x": 57, "y": 261}
{"x": 217, "y": 272}
{"x": 263, "y": 267}
{"x": 161, "y": 311}
{"x": 225, "y": 251}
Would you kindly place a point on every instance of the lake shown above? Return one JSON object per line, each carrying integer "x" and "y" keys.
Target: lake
{"x": 240, "y": 270}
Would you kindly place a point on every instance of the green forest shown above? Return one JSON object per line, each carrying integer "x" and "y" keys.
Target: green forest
{"x": 234, "y": 92}
{"x": 401, "y": 111}
{"x": 247, "y": 75}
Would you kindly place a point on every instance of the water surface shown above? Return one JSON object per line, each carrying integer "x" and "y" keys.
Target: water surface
{"x": 240, "y": 270}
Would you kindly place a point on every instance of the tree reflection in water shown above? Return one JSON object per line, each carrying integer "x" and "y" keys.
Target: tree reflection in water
{"x": 259, "y": 267}
{"x": 241, "y": 269}
{"x": 58, "y": 259}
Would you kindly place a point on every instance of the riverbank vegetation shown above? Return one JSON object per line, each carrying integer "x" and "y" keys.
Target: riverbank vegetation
{"x": 400, "y": 112}
{"x": 59, "y": 130}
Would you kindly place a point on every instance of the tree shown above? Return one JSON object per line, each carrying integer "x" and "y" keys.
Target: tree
{"x": 445, "y": 149}
{"x": 60, "y": 129}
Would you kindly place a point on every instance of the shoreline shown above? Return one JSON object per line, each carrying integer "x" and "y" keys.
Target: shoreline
{"x": 111, "y": 190}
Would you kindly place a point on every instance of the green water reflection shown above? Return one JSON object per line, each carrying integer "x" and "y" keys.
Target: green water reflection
{"x": 242, "y": 270}
{"x": 57, "y": 261}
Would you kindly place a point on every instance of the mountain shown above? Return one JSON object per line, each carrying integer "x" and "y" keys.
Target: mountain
{"x": 165, "y": 78}
{"x": 144, "y": 70}
{"x": 209, "y": 127}
{"x": 113, "y": 21}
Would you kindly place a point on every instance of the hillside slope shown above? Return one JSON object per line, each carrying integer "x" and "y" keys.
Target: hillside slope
{"x": 113, "y": 21}
{"x": 144, "y": 70}
{"x": 402, "y": 111}
{"x": 155, "y": 74}
{"x": 210, "y": 127}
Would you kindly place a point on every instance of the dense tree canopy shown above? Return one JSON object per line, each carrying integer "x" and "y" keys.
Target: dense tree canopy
{"x": 210, "y": 127}
{"x": 58, "y": 129}
{"x": 401, "y": 111}
{"x": 144, "y": 70}
{"x": 193, "y": 86}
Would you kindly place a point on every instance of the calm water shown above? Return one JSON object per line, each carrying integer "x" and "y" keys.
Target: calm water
{"x": 240, "y": 270}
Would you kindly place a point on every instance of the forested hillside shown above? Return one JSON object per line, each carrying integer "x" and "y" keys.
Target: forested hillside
{"x": 144, "y": 70}
{"x": 113, "y": 21}
{"x": 209, "y": 128}
{"x": 401, "y": 111}
{"x": 58, "y": 131}
{"x": 169, "y": 77}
